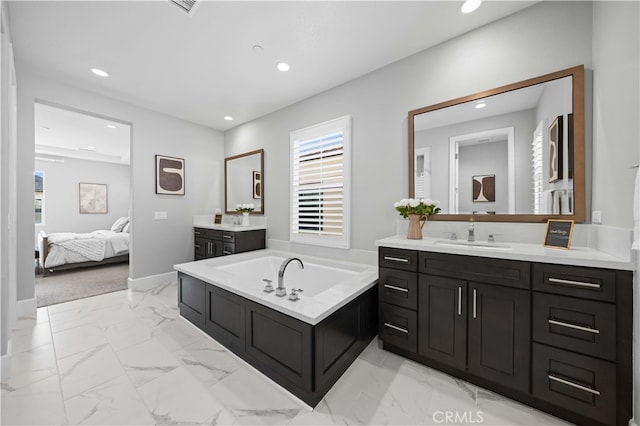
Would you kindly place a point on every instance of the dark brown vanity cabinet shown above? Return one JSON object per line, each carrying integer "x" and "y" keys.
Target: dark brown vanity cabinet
{"x": 210, "y": 243}
{"x": 478, "y": 326}
{"x": 555, "y": 337}
{"x": 582, "y": 336}
{"x": 191, "y": 299}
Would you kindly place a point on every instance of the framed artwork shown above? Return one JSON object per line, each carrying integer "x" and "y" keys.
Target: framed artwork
{"x": 257, "y": 184}
{"x": 559, "y": 233}
{"x": 169, "y": 175}
{"x": 92, "y": 198}
{"x": 555, "y": 150}
{"x": 484, "y": 188}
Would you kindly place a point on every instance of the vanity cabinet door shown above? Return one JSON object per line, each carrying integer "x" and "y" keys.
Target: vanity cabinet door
{"x": 442, "y": 320}
{"x": 200, "y": 248}
{"x": 499, "y": 334}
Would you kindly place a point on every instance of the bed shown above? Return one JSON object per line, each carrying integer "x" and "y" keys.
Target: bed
{"x": 68, "y": 250}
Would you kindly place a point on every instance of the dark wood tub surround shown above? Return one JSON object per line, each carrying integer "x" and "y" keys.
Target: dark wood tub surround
{"x": 304, "y": 359}
{"x": 555, "y": 337}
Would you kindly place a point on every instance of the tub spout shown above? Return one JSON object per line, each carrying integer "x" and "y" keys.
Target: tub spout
{"x": 281, "y": 290}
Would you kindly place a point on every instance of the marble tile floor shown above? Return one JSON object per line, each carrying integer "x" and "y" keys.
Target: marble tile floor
{"x": 128, "y": 358}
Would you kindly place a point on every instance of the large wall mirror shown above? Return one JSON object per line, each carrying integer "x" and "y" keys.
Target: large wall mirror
{"x": 244, "y": 181}
{"x": 510, "y": 154}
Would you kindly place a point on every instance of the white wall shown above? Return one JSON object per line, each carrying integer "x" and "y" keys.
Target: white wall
{"x": 155, "y": 245}
{"x": 544, "y": 38}
{"x": 616, "y": 129}
{"x": 61, "y": 204}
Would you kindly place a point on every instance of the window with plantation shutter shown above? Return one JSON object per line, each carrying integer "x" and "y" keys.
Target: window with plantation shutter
{"x": 320, "y": 183}
{"x": 536, "y": 169}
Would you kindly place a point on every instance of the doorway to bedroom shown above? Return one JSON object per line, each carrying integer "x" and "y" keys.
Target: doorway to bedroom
{"x": 82, "y": 202}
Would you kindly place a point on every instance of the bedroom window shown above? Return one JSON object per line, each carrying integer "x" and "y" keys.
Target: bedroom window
{"x": 321, "y": 183}
{"x": 39, "y": 197}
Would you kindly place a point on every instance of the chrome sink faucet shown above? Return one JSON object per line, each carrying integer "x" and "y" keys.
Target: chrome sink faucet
{"x": 281, "y": 290}
{"x": 471, "y": 237}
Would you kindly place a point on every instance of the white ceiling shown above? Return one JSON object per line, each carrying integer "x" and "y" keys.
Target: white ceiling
{"x": 201, "y": 67}
{"x": 63, "y": 133}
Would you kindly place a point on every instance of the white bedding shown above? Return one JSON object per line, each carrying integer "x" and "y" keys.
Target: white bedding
{"x": 69, "y": 247}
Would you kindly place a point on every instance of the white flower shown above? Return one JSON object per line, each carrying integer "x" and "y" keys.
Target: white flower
{"x": 238, "y": 206}
{"x": 397, "y": 204}
{"x": 413, "y": 202}
{"x": 404, "y": 202}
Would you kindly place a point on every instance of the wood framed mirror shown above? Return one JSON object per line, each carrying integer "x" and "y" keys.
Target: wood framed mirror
{"x": 244, "y": 181}
{"x": 515, "y": 153}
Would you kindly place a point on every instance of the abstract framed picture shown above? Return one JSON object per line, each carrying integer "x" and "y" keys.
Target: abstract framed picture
{"x": 169, "y": 175}
{"x": 92, "y": 198}
{"x": 484, "y": 188}
{"x": 257, "y": 184}
{"x": 555, "y": 150}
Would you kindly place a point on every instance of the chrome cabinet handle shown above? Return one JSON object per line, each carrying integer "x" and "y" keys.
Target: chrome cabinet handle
{"x": 197, "y": 232}
{"x": 573, "y": 385}
{"x": 574, "y": 326}
{"x": 474, "y": 303}
{"x": 393, "y": 287}
{"x": 396, "y": 259}
{"x": 226, "y": 252}
{"x": 571, "y": 282}
{"x": 227, "y": 236}
{"x": 197, "y": 245}
{"x": 395, "y": 327}
{"x": 459, "y": 301}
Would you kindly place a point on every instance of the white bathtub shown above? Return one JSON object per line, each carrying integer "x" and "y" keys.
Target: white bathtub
{"x": 327, "y": 284}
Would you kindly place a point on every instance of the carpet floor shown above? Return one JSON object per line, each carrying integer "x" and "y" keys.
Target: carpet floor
{"x": 64, "y": 286}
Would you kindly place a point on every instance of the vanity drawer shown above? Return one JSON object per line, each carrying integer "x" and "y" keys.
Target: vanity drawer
{"x": 406, "y": 260}
{"x": 575, "y": 382}
{"x": 511, "y": 273}
{"x": 228, "y": 248}
{"x": 579, "y": 325}
{"x": 588, "y": 283}
{"x": 228, "y": 236}
{"x": 398, "y": 287}
{"x": 398, "y": 327}
{"x": 214, "y": 234}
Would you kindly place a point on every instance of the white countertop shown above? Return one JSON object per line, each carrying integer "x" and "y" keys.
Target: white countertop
{"x": 311, "y": 310}
{"x": 577, "y": 256}
{"x": 228, "y": 227}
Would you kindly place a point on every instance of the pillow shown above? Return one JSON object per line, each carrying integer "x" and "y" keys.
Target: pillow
{"x": 119, "y": 224}
{"x": 126, "y": 227}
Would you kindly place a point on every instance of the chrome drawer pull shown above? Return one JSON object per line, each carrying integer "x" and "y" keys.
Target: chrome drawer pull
{"x": 227, "y": 236}
{"x": 396, "y": 259}
{"x": 571, "y": 282}
{"x": 577, "y": 327}
{"x": 226, "y": 252}
{"x": 197, "y": 232}
{"x": 404, "y": 330}
{"x": 475, "y": 304}
{"x": 197, "y": 245}
{"x": 459, "y": 301}
{"x": 393, "y": 287}
{"x": 573, "y": 385}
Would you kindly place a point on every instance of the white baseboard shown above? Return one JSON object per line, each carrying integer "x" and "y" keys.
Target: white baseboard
{"x": 152, "y": 281}
{"x": 5, "y": 364}
{"x": 26, "y": 308}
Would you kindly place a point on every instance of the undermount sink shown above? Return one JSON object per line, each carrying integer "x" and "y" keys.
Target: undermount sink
{"x": 473, "y": 245}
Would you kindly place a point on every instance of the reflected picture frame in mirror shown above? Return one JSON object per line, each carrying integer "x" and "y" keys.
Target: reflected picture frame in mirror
{"x": 244, "y": 181}
{"x": 568, "y": 202}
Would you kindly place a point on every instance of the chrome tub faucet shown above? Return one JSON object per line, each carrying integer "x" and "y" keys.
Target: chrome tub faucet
{"x": 281, "y": 290}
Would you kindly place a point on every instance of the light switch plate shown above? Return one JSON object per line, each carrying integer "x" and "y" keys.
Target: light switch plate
{"x": 160, "y": 215}
{"x": 596, "y": 216}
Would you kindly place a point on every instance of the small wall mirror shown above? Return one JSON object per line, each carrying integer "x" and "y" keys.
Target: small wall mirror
{"x": 514, "y": 153}
{"x": 244, "y": 181}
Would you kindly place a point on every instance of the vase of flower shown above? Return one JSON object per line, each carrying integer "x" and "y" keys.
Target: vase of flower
{"x": 417, "y": 211}
{"x": 245, "y": 209}
{"x": 416, "y": 222}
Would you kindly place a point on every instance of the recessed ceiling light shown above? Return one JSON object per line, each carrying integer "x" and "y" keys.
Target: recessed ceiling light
{"x": 111, "y": 126}
{"x": 481, "y": 104}
{"x": 257, "y": 49}
{"x": 99, "y": 72}
{"x": 283, "y": 66}
{"x": 470, "y": 5}
{"x": 228, "y": 118}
